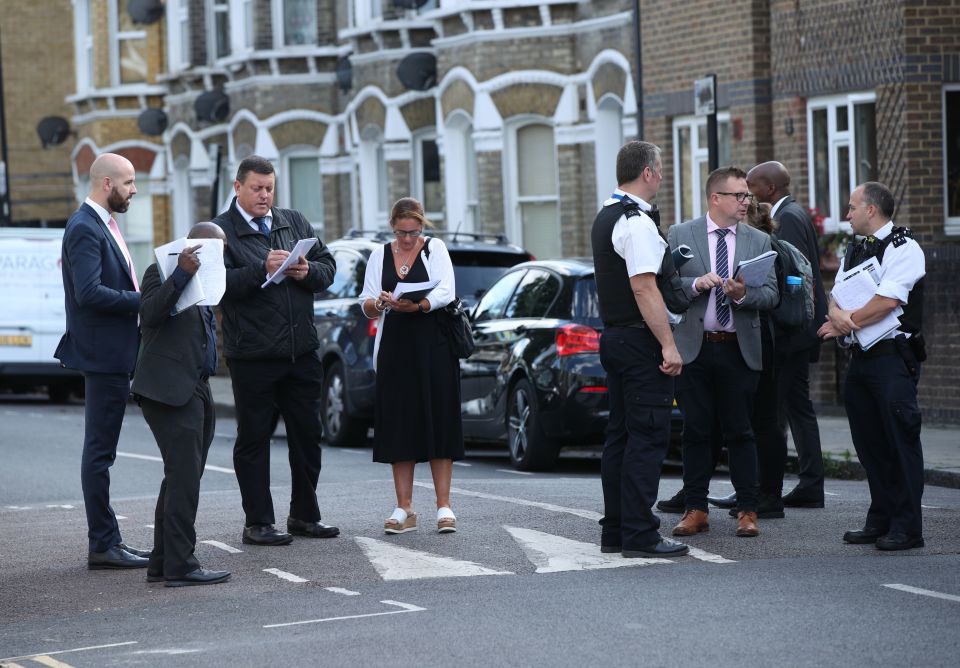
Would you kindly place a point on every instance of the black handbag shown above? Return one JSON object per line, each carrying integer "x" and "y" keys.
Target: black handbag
{"x": 455, "y": 324}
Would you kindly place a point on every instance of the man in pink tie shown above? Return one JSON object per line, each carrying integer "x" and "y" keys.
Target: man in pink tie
{"x": 102, "y": 301}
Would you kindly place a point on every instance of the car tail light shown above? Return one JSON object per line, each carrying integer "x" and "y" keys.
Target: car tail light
{"x": 574, "y": 339}
{"x": 593, "y": 389}
{"x": 372, "y": 326}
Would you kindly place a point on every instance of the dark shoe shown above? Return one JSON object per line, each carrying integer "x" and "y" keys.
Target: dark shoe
{"x": 863, "y": 536}
{"x": 728, "y": 501}
{"x": 662, "y": 548}
{"x": 747, "y": 525}
{"x": 265, "y": 534}
{"x": 133, "y": 550}
{"x": 898, "y": 541}
{"x": 154, "y": 577}
{"x": 312, "y": 529}
{"x": 609, "y": 549}
{"x": 675, "y": 504}
{"x": 692, "y": 522}
{"x": 201, "y": 576}
{"x": 115, "y": 557}
{"x": 804, "y": 498}
{"x": 769, "y": 508}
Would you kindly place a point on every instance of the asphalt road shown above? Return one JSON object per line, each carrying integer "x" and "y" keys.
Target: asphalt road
{"x": 521, "y": 583}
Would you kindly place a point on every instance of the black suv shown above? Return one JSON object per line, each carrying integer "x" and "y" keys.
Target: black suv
{"x": 347, "y": 336}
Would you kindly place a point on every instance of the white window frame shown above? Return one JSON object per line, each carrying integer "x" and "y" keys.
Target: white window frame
{"x": 362, "y": 12}
{"x": 286, "y": 194}
{"x": 951, "y": 225}
{"x": 279, "y": 27}
{"x": 178, "y": 18}
{"x": 371, "y": 167}
{"x": 606, "y": 147}
{"x": 83, "y": 41}
{"x": 416, "y": 173}
{"x": 835, "y": 139}
{"x": 182, "y": 197}
{"x": 699, "y": 155}
{"x": 459, "y": 170}
{"x": 511, "y": 170}
{"x": 212, "y": 9}
{"x": 116, "y": 37}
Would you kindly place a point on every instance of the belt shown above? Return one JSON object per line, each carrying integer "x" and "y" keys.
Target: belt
{"x": 719, "y": 337}
{"x": 886, "y": 347}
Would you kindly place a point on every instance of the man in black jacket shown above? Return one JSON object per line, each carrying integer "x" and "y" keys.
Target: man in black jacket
{"x": 770, "y": 182}
{"x": 270, "y": 344}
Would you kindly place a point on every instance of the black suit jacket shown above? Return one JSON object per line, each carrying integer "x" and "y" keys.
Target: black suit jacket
{"x": 796, "y": 227}
{"x": 174, "y": 346}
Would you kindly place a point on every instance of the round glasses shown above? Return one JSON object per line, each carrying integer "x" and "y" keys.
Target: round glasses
{"x": 413, "y": 234}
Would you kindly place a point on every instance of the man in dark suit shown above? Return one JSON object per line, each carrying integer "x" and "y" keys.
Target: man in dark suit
{"x": 178, "y": 356}
{"x": 720, "y": 343}
{"x": 102, "y": 297}
{"x": 270, "y": 343}
{"x": 794, "y": 351}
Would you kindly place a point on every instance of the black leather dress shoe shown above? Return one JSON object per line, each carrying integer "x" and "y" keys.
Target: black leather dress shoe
{"x": 133, "y": 550}
{"x": 768, "y": 508}
{"x": 863, "y": 536}
{"x": 898, "y": 541}
{"x": 312, "y": 529}
{"x": 728, "y": 501}
{"x": 662, "y": 548}
{"x": 675, "y": 504}
{"x": 265, "y": 534}
{"x": 115, "y": 557}
{"x": 154, "y": 577}
{"x": 609, "y": 549}
{"x": 804, "y": 498}
{"x": 201, "y": 576}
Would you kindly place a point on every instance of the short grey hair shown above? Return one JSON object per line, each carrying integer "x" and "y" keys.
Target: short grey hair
{"x": 633, "y": 158}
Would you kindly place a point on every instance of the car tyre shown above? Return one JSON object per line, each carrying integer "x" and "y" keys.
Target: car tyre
{"x": 530, "y": 449}
{"x": 339, "y": 428}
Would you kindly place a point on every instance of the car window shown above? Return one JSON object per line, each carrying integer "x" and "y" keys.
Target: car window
{"x": 476, "y": 271}
{"x": 586, "y": 303}
{"x": 348, "y": 281}
{"x": 491, "y": 306}
{"x": 533, "y": 296}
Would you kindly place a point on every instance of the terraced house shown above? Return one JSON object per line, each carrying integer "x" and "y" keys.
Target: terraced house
{"x": 505, "y": 116}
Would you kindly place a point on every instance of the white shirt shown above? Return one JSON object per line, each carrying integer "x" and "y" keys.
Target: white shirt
{"x": 268, "y": 219}
{"x": 105, "y": 217}
{"x": 776, "y": 207}
{"x": 636, "y": 239}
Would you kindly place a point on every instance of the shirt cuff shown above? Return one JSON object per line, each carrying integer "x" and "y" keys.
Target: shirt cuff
{"x": 180, "y": 278}
{"x": 893, "y": 291}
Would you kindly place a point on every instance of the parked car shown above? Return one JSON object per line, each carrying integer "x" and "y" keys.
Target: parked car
{"x": 535, "y": 379}
{"x": 347, "y": 336}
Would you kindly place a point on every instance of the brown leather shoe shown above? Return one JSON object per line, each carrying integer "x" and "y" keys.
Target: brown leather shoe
{"x": 747, "y": 525}
{"x": 692, "y": 522}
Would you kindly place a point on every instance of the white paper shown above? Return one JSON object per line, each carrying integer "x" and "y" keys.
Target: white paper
{"x": 756, "y": 270}
{"x": 404, "y": 288}
{"x": 207, "y": 286}
{"x": 302, "y": 248}
{"x": 858, "y": 287}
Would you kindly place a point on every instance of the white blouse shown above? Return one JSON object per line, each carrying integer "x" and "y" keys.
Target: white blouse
{"x": 439, "y": 267}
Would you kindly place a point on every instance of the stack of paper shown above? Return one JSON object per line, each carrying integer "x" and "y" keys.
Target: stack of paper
{"x": 755, "y": 270}
{"x": 302, "y": 248}
{"x": 857, "y": 287}
{"x": 207, "y": 286}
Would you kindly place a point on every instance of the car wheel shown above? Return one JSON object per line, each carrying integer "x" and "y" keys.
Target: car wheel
{"x": 339, "y": 428}
{"x": 530, "y": 449}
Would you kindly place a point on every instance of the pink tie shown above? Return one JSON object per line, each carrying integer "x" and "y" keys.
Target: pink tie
{"x": 115, "y": 230}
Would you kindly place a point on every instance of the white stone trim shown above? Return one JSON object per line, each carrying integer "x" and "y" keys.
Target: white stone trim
{"x": 500, "y": 33}
{"x": 485, "y": 141}
{"x": 565, "y": 135}
{"x": 342, "y": 164}
{"x": 302, "y": 79}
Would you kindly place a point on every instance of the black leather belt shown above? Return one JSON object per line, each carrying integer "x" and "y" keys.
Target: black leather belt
{"x": 885, "y": 347}
{"x": 719, "y": 337}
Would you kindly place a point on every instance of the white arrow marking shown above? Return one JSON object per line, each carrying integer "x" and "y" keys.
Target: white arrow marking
{"x": 555, "y": 554}
{"x": 222, "y": 546}
{"x": 393, "y": 562}
{"x": 407, "y": 607}
{"x": 924, "y": 592}
{"x": 697, "y": 553}
{"x": 341, "y": 590}
{"x": 283, "y": 575}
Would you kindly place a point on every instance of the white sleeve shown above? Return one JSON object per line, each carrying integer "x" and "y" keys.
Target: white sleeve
{"x": 902, "y": 268}
{"x": 637, "y": 241}
{"x": 439, "y": 267}
{"x": 371, "y": 278}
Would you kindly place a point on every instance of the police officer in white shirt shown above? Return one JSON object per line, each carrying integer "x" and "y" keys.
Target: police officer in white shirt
{"x": 881, "y": 387}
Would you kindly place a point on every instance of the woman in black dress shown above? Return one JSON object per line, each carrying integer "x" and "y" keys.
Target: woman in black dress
{"x": 417, "y": 412}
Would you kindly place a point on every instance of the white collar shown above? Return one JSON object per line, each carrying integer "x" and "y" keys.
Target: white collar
{"x": 103, "y": 213}
{"x": 776, "y": 207}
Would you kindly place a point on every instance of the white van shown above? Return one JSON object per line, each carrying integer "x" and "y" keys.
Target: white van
{"x": 32, "y": 315}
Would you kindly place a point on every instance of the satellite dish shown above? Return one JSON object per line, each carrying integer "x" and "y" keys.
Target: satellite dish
{"x": 344, "y": 72}
{"x": 409, "y": 4}
{"x": 53, "y": 130}
{"x": 152, "y": 122}
{"x": 418, "y": 71}
{"x": 213, "y": 106}
{"x": 145, "y": 12}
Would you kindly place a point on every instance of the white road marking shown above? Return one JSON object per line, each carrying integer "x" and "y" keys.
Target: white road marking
{"x": 283, "y": 575}
{"x": 931, "y": 507}
{"x": 514, "y": 471}
{"x": 122, "y": 517}
{"x": 155, "y": 458}
{"x": 222, "y": 546}
{"x": 341, "y": 590}
{"x": 406, "y": 607}
{"x": 924, "y": 592}
{"x": 219, "y": 435}
{"x": 352, "y": 452}
{"x": 555, "y": 554}
{"x": 218, "y": 469}
{"x": 68, "y": 651}
{"x": 462, "y": 464}
{"x": 174, "y": 651}
{"x": 697, "y": 553}
{"x": 150, "y": 526}
{"x": 393, "y": 562}
{"x": 17, "y": 507}
{"x": 51, "y": 662}
{"x": 831, "y": 494}
{"x": 41, "y": 416}
{"x": 63, "y": 506}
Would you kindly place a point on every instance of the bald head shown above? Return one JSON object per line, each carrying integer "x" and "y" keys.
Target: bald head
{"x": 112, "y": 182}
{"x": 769, "y": 181}
{"x": 207, "y": 231}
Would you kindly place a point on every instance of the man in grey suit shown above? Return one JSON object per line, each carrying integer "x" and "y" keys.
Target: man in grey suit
{"x": 719, "y": 341}
{"x": 178, "y": 355}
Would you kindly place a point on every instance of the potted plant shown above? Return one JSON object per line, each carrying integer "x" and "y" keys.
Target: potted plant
{"x": 832, "y": 244}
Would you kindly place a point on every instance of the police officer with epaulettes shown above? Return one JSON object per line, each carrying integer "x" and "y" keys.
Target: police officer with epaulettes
{"x": 638, "y": 353}
{"x": 881, "y": 387}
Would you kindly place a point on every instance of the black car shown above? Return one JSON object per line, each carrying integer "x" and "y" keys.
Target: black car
{"x": 535, "y": 379}
{"x": 347, "y": 336}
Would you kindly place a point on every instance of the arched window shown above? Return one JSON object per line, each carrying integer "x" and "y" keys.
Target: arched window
{"x": 460, "y": 174}
{"x": 608, "y": 136}
{"x": 533, "y": 183}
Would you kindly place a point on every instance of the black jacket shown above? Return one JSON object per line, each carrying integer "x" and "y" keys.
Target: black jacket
{"x": 276, "y": 321}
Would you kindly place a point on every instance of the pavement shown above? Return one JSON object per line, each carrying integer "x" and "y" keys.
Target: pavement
{"x": 941, "y": 443}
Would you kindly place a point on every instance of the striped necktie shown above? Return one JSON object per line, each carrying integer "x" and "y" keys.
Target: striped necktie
{"x": 723, "y": 309}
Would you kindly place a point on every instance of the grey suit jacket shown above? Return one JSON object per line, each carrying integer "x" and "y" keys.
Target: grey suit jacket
{"x": 173, "y": 349}
{"x": 746, "y": 316}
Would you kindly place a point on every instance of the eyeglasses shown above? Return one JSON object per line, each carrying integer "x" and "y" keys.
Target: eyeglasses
{"x": 741, "y": 197}
{"x": 413, "y": 234}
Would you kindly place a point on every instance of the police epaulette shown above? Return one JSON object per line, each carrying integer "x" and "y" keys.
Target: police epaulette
{"x": 630, "y": 208}
{"x": 899, "y": 236}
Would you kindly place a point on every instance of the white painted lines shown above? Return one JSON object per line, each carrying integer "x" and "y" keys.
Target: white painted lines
{"x": 283, "y": 575}
{"x": 352, "y": 452}
{"x": 63, "y": 506}
{"x": 931, "y": 507}
{"x": 150, "y": 526}
{"x": 67, "y": 651}
{"x": 831, "y": 494}
{"x": 555, "y": 554}
{"x": 222, "y": 546}
{"x": 586, "y": 514}
{"x": 393, "y": 562}
{"x": 50, "y": 661}
{"x": 122, "y": 517}
{"x": 18, "y": 507}
{"x": 514, "y": 472}
{"x": 697, "y": 553}
{"x": 341, "y": 590}
{"x": 156, "y": 458}
{"x": 924, "y": 592}
{"x": 218, "y": 469}
{"x": 462, "y": 464}
{"x": 405, "y": 607}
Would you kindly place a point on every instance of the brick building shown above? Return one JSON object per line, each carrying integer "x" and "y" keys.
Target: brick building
{"x": 505, "y": 116}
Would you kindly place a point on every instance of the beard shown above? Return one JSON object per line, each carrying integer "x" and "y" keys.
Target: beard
{"x": 117, "y": 203}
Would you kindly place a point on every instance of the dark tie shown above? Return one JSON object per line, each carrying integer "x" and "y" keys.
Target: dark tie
{"x": 261, "y": 222}
{"x": 723, "y": 310}
{"x": 654, "y": 214}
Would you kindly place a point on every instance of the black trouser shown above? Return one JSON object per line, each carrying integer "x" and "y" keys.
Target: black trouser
{"x": 796, "y": 410}
{"x": 881, "y": 401}
{"x": 105, "y": 403}
{"x": 718, "y": 387}
{"x": 183, "y": 434}
{"x": 638, "y": 434}
{"x": 293, "y": 388}
{"x": 771, "y": 438}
